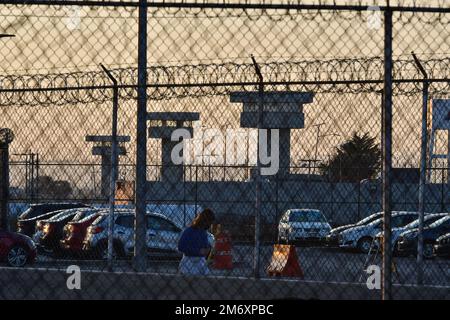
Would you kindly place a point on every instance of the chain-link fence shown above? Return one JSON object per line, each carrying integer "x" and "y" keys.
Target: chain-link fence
{"x": 314, "y": 135}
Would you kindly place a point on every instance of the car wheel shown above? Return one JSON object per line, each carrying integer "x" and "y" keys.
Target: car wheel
{"x": 17, "y": 257}
{"x": 427, "y": 250}
{"x": 364, "y": 245}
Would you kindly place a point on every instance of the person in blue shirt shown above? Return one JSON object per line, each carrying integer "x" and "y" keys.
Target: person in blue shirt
{"x": 195, "y": 246}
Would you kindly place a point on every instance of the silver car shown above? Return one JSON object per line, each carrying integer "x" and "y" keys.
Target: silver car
{"x": 162, "y": 234}
{"x": 361, "y": 237}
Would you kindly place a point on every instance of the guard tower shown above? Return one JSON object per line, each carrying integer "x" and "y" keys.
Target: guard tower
{"x": 102, "y": 147}
{"x": 440, "y": 120}
{"x": 281, "y": 110}
{"x": 162, "y": 125}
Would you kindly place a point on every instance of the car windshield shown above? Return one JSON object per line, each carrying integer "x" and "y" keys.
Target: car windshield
{"x": 88, "y": 217}
{"x": 375, "y": 222}
{"x": 440, "y": 222}
{"x": 307, "y": 216}
{"x": 99, "y": 219}
{"x": 25, "y": 214}
{"x": 368, "y": 219}
{"x": 428, "y": 220}
{"x": 62, "y": 215}
{"x": 79, "y": 216}
{"x": 82, "y": 213}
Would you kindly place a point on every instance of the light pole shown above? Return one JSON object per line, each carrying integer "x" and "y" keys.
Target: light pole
{"x": 114, "y": 168}
{"x": 318, "y": 142}
{"x": 323, "y": 136}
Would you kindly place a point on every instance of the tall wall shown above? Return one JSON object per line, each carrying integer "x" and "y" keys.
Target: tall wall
{"x": 341, "y": 202}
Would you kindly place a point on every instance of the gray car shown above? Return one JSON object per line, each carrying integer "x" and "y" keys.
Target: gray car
{"x": 162, "y": 234}
{"x": 361, "y": 237}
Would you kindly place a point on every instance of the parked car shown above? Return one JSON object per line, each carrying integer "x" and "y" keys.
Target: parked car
{"x": 75, "y": 231}
{"x": 162, "y": 234}
{"x": 26, "y": 221}
{"x": 407, "y": 242}
{"x": 396, "y": 232}
{"x": 333, "y": 235}
{"x": 303, "y": 225}
{"x": 30, "y": 226}
{"x": 50, "y": 231}
{"x": 442, "y": 246}
{"x": 361, "y": 237}
{"x": 16, "y": 249}
{"x": 40, "y": 221}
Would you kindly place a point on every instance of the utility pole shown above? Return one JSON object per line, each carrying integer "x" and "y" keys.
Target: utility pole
{"x": 316, "y": 160}
{"x": 114, "y": 167}
{"x": 317, "y": 144}
{"x": 140, "y": 246}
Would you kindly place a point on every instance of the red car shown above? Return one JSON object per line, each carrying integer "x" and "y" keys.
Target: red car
{"x": 75, "y": 232}
{"x": 16, "y": 249}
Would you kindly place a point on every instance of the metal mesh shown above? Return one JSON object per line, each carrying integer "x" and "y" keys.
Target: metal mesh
{"x": 297, "y": 215}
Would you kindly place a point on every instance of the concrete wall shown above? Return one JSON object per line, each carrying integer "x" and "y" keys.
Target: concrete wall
{"x": 51, "y": 284}
{"x": 341, "y": 202}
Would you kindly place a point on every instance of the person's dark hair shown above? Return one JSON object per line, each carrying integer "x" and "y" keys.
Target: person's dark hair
{"x": 204, "y": 219}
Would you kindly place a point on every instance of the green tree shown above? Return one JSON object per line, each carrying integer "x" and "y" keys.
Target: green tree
{"x": 356, "y": 159}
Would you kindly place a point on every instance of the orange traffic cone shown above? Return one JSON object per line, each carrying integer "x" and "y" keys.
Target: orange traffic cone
{"x": 285, "y": 262}
{"x": 223, "y": 258}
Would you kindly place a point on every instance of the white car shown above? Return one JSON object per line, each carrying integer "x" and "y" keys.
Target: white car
{"x": 361, "y": 237}
{"x": 162, "y": 234}
{"x": 303, "y": 225}
{"x": 396, "y": 232}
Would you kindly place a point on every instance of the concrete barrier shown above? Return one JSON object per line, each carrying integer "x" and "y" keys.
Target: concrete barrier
{"x": 51, "y": 284}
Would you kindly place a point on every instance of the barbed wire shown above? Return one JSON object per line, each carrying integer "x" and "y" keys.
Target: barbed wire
{"x": 177, "y": 81}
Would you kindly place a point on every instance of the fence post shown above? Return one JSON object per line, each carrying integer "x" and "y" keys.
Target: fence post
{"x": 37, "y": 175}
{"x": 387, "y": 157}
{"x": 6, "y": 137}
{"x": 423, "y": 166}
{"x": 256, "y": 266}
{"x": 140, "y": 246}
{"x": 448, "y": 159}
{"x": 443, "y": 194}
{"x": 4, "y": 185}
{"x": 196, "y": 188}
